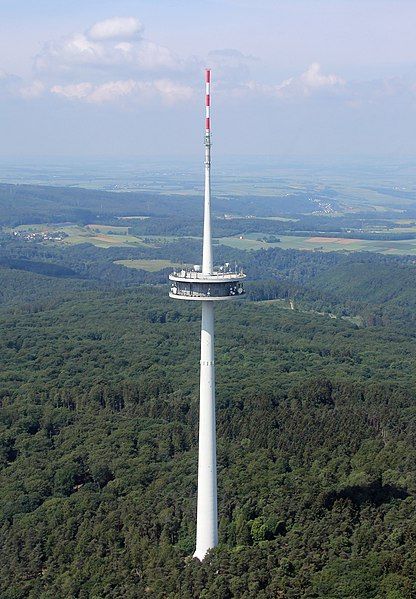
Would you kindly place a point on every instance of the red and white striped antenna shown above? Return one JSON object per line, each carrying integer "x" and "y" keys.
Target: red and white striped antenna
{"x": 207, "y": 264}
{"x": 208, "y": 101}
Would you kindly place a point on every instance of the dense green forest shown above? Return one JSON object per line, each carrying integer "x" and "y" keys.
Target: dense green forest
{"x": 316, "y": 424}
{"x": 99, "y": 417}
{"x": 301, "y": 226}
{"x": 20, "y": 204}
{"x": 375, "y": 287}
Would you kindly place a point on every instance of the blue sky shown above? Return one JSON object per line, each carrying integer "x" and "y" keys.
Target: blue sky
{"x": 291, "y": 77}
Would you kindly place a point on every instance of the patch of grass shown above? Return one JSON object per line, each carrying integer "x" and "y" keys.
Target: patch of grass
{"x": 132, "y": 217}
{"x": 149, "y": 265}
{"x": 35, "y": 228}
{"x": 283, "y": 219}
{"x": 84, "y": 235}
{"x": 118, "y": 230}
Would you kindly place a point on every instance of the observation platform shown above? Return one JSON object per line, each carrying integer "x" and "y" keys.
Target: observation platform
{"x": 222, "y": 284}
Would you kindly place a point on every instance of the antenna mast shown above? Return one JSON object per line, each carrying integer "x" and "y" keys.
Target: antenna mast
{"x": 207, "y": 264}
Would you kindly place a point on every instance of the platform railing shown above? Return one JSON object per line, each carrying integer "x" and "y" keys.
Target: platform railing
{"x": 195, "y": 274}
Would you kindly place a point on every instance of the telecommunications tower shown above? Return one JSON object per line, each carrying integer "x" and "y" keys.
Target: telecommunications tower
{"x": 207, "y": 285}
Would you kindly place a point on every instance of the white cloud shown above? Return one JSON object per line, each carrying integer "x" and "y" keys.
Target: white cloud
{"x": 116, "y": 28}
{"x": 171, "y": 91}
{"x": 151, "y": 56}
{"x": 309, "y": 82}
{"x": 111, "y": 45}
{"x": 313, "y": 78}
{"x": 113, "y": 91}
{"x": 68, "y": 53}
{"x": 112, "y": 62}
{"x": 76, "y": 91}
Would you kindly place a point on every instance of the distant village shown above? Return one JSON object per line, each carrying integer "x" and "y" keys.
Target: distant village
{"x": 40, "y": 235}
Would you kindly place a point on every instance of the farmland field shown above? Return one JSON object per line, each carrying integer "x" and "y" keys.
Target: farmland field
{"x": 104, "y": 236}
{"x": 112, "y": 229}
{"x": 149, "y": 265}
{"x": 107, "y": 236}
{"x": 99, "y": 239}
{"x": 323, "y": 244}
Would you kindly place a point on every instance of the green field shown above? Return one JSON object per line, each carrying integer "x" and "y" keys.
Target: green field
{"x": 102, "y": 240}
{"x": 100, "y": 236}
{"x": 35, "y": 228}
{"x": 106, "y": 236}
{"x": 282, "y": 219}
{"x": 132, "y": 217}
{"x": 112, "y": 229}
{"x": 323, "y": 244}
{"x": 149, "y": 265}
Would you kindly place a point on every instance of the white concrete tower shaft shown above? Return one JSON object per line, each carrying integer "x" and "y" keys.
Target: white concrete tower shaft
{"x": 207, "y": 519}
